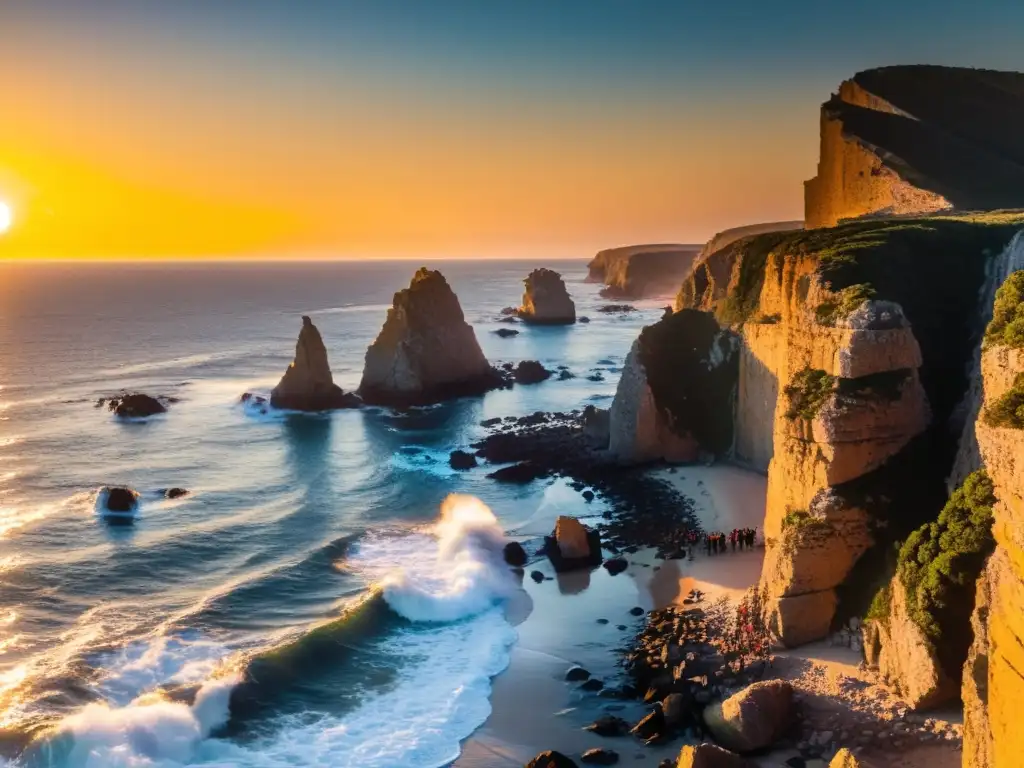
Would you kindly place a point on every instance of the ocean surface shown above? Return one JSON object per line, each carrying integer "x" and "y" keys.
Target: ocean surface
{"x": 311, "y": 579}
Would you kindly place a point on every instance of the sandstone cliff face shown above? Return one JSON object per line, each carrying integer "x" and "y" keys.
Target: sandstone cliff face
{"x": 994, "y": 677}
{"x": 660, "y": 414}
{"x": 642, "y": 271}
{"x": 904, "y": 657}
{"x": 912, "y": 140}
{"x": 426, "y": 351}
{"x": 545, "y": 301}
{"x": 307, "y": 385}
{"x": 841, "y": 397}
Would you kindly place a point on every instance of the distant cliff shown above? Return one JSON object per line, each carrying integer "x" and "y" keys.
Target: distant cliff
{"x": 729, "y": 236}
{"x": 642, "y": 271}
{"x": 919, "y": 139}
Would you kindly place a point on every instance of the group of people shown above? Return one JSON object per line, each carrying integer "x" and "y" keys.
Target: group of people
{"x": 718, "y": 542}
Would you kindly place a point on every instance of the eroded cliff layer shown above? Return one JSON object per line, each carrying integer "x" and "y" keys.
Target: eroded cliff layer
{"x": 642, "y": 271}
{"x": 854, "y": 356}
{"x": 919, "y": 139}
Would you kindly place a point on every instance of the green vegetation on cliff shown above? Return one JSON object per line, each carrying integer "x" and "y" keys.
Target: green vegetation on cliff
{"x": 879, "y": 608}
{"x": 847, "y": 300}
{"x": 1008, "y": 410}
{"x": 807, "y": 393}
{"x": 1007, "y": 326}
{"x": 741, "y": 301}
{"x": 939, "y": 564}
{"x": 798, "y": 519}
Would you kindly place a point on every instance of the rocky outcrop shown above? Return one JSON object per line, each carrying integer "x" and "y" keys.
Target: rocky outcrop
{"x": 117, "y": 501}
{"x": 135, "y": 405}
{"x": 660, "y": 412}
{"x": 426, "y": 352}
{"x": 904, "y": 657}
{"x": 852, "y": 361}
{"x": 918, "y": 139}
{"x": 642, "y": 271}
{"x": 754, "y": 718}
{"x": 545, "y": 301}
{"x": 710, "y": 756}
{"x": 573, "y": 545}
{"x": 308, "y": 385}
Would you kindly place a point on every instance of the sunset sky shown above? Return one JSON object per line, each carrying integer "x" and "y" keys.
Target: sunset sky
{"x": 376, "y": 128}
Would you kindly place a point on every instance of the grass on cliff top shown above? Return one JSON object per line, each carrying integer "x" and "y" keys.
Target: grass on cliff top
{"x": 807, "y": 393}
{"x": 1008, "y": 410}
{"x": 939, "y": 564}
{"x": 1007, "y": 325}
{"x": 879, "y": 608}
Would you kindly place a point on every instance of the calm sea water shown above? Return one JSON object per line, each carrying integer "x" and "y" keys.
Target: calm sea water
{"x": 123, "y": 646}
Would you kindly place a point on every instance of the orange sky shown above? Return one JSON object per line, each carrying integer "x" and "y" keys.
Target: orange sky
{"x": 172, "y": 148}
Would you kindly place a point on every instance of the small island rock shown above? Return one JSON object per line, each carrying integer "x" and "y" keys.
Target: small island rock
{"x": 307, "y": 385}
{"x": 135, "y": 405}
{"x": 531, "y": 372}
{"x": 119, "y": 499}
{"x": 545, "y": 301}
{"x": 461, "y": 460}
{"x": 426, "y": 352}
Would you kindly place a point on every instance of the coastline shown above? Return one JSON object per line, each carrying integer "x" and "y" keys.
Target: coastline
{"x": 532, "y": 707}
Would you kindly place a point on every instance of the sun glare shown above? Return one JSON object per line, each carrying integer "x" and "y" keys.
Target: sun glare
{"x": 6, "y": 217}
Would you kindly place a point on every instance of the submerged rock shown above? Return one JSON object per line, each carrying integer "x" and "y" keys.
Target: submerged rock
{"x": 135, "y": 405}
{"x": 754, "y": 718}
{"x": 531, "y": 372}
{"x": 119, "y": 499}
{"x": 461, "y": 460}
{"x": 307, "y": 385}
{"x": 426, "y": 352}
{"x": 546, "y": 302}
{"x": 175, "y": 493}
{"x": 505, "y": 333}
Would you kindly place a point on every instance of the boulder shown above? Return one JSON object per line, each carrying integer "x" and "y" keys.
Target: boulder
{"x": 119, "y": 500}
{"x": 651, "y": 725}
{"x": 531, "y": 372}
{"x": 426, "y": 352}
{"x": 135, "y": 405}
{"x": 571, "y": 536}
{"x": 598, "y": 756}
{"x": 175, "y": 493}
{"x": 545, "y": 301}
{"x": 461, "y": 460}
{"x": 844, "y": 758}
{"x": 506, "y": 333}
{"x": 608, "y": 726}
{"x": 615, "y": 565}
{"x": 514, "y": 554}
{"x": 307, "y": 385}
{"x": 577, "y": 675}
{"x": 551, "y": 759}
{"x": 754, "y": 718}
{"x": 710, "y": 756}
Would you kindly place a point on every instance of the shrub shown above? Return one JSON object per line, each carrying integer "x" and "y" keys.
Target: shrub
{"x": 879, "y": 609}
{"x": 1007, "y": 325}
{"x": 847, "y": 300}
{"x": 1008, "y": 410}
{"x": 807, "y": 393}
{"x": 939, "y": 564}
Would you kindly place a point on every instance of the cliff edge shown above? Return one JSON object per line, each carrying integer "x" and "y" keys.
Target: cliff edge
{"x": 642, "y": 271}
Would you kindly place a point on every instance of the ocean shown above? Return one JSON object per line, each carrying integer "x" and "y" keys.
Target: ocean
{"x": 309, "y": 580}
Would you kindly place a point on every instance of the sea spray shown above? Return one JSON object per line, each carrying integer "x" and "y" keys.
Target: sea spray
{"x": 466, "y": 576}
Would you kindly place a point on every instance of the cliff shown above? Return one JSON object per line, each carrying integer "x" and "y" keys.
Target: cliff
{"x": 307, "y": 385}
{"x": 993, "y": 681}
{"x": 545, "y": 300}
{"x": 642, "y": 271}
{"x": 426, "y": 352}
{"x": 854, "y": 351}
{"x": 919, "y": 139}
{"x": 730, "y": 236}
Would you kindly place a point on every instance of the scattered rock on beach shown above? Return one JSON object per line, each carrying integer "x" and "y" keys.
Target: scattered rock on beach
{"x": 506, "y": 333}
{"x": 615, "y": 565}
{"x": 608, "y": 726}
{"x": 551, "y": 759}
{"x": 461, "y": 460}
{"x": 588, "y": 495}
{"x": 577, "y": 674}
{"x": 135, "y": 405}
{"x": 754, "y": 718}
{"x": 537, "y": 576}
{"x": 651, "y": 726}
{"x": 593, "y": 684}
{"x": 637, "y": 611}
{"x": 571, "y": 537}
{"x": 710, "y": 756}
{"x": 514, "y": 554}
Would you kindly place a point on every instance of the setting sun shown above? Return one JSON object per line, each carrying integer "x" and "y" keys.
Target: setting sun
{"x": 6, "y": 217}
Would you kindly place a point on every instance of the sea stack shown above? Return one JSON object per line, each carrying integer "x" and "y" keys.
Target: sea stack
{"x": 545, "y": 301}
{"x": 307, "y": 385}
{"x": 426, "y": 352}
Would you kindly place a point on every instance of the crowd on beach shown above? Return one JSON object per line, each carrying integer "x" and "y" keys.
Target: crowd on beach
{"x": 717, "y": 542}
